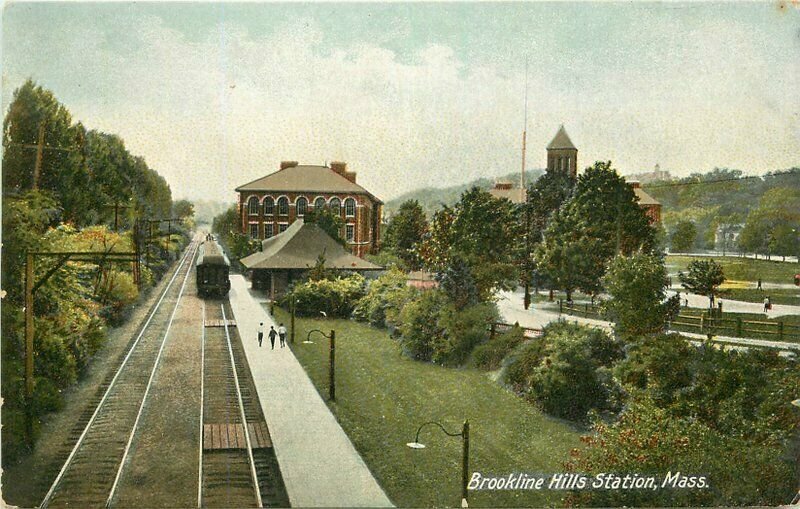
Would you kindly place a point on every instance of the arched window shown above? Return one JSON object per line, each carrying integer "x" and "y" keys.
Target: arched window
{"x": 283, "y": 206}
{"x": 302, "y": 205}
{"x": 269, "y": 206}
{"x": 319, "y": 203}
{"x": 336, "y": 206}
{"x": 350, "y": 207}
{"x": 252, "y": 206}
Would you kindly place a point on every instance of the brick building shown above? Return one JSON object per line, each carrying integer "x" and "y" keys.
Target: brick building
{"x": 268, "y": 205}
{"x": 651, "y": 206}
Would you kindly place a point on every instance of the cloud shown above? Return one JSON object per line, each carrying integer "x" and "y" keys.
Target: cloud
{"x": 215, "y": 111}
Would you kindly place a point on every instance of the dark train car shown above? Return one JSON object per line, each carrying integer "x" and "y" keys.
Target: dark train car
{"x": 213, "y": 270}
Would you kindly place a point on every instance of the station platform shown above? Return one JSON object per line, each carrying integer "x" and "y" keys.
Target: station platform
{"x": 318, "y": 462}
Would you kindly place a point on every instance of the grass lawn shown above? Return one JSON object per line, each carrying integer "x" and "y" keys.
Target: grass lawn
{"x": 382, "y": 397}
{"x": 776, "y": 295}
{"x": 742, "y": 269}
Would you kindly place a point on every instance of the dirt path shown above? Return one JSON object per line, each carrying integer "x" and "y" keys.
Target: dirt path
{"x": 25, "y": 483}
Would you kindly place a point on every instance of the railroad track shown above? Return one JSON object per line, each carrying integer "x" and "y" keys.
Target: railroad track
{"x": 92, "y": 470}
{"x": 238, "y": 467}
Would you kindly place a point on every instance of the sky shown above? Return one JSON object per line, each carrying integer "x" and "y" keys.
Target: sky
{"x": 214, "y": 95}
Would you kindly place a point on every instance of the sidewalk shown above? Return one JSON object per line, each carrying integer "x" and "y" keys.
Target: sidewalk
{"x": 319, "y": 465}
{"x": 512, "y": 310}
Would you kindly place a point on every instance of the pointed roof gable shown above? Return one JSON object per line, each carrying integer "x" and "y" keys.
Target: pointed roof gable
{"x": 299, "y": 246}
{"x": 306, "y": 178}
{"x": 561, "y": 141}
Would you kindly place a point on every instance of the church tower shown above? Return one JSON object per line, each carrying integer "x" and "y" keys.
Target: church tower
{"x": 562, "y": 155}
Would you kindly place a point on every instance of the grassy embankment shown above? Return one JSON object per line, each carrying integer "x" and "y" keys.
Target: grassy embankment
{"x": 382, "y": 397}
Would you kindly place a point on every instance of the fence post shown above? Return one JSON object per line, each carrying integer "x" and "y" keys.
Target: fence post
{"x": 492, "y": 331}
{"x": 739, "y": 326}
{"x": 560, "y": 306}
{"x": 702, "y": 319}
{"x": 780, "y": 331}
{"x": 586, "y": 306}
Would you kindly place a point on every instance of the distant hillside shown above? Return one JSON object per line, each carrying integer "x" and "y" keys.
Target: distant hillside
{"x": 432, "y": 198}
{"x": 206, "y": 210}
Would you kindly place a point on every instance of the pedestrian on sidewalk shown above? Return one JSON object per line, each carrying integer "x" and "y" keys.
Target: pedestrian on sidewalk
{"x": 260, "y": 333}
{"x": 282, "y": 334}
{"x": 759, "y": 283}
{"x": 272, "y": 334}
{"x": 766, "y": 304}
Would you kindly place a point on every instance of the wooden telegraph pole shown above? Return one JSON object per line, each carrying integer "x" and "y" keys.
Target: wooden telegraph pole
{"x": 31, "y": 287}
{"x": 40, "y": 147}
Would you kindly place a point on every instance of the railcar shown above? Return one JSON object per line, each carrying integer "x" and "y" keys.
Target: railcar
{"x": 213, "y": 270}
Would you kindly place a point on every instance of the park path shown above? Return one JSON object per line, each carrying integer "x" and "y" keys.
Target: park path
{"x": 319, "y": 465}
{"x": 512, "y": 310}
{"x": 738, "y": 306}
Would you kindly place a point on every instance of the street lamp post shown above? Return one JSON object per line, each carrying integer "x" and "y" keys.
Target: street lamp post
{"x": 331, "y": 361}
{"x": 464, "y": 453}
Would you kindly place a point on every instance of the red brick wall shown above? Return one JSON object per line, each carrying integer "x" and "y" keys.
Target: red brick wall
{"x": 366, "y": 225}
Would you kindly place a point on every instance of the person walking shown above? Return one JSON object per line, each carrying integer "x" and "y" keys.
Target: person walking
{"x": 766, "y": 304}
{"x": 272, "y": 334}
{"x": 759, "y": 283}
{"x": 260, "y": 333}
{"x": 282, "y": 334}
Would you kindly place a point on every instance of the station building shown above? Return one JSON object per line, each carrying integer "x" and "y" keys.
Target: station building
{"x": 268, "y": 205}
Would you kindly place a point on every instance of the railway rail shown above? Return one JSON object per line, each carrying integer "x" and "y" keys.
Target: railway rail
{"x": 92, "y": 470}
{"x": 238, "y": 467}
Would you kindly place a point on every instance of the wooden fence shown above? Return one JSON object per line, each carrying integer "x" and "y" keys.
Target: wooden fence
{"x": 499, "y": 328}
{"x": 737, "y": 327}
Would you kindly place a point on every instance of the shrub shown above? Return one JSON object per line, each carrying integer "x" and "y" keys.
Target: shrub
{"x": 566, "y": 373}
{"x": 336, "y": 297}
{"x": 648, "y": 440}
{"x": 419, "y": 325}
{"x": 490, "y": 355}
{"x": 462, "y": 331}
{"x": 385, "y": 297}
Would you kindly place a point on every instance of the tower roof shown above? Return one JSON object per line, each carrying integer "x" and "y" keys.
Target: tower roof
{"x": 561, "y": 141}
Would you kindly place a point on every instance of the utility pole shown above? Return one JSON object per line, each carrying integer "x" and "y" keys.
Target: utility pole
{"x": 40, "y": 147}
{"x": 524, "y": 130}
{"x": 116, "y": 205}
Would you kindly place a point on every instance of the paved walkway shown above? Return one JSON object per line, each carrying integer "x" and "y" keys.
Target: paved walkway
{"x": 738, "y": 306}
{"x": 512, "y": 310}
{"x": 319, "y": 464}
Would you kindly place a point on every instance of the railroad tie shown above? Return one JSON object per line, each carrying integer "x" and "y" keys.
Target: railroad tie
{"x": 231, "y": 436}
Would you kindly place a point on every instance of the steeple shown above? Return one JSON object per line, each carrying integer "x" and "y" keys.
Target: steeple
{"x": 562, "y": 155}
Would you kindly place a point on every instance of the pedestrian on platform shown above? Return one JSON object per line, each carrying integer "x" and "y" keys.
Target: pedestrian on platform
{"x": 272, "y": 334}
{"x": 260, "y": 333}
{"x": 282, "y": 334}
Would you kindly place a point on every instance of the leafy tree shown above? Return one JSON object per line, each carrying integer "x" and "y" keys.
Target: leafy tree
{"x": 544, "y": 197}
{"x": 684, "y": 236}
{"x": 636, "y": 285}
{"x": 457, "y": 283}
{"x": 183, "y": 209}
{"x": 773, "y": 227}
{"x": 703, "y": 278}
{"x": 330, "y": 223}
{"x": 482, "y": 231}
{"x": 405, "y": 231}
{"x": 601, "y": 218}
{"x": 226, "y": 227}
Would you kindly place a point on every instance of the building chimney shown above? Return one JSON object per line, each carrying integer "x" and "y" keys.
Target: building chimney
{"x": 351, "y": 176}
{"x": 339, "y": 167}
{"x": 288, "y": 164}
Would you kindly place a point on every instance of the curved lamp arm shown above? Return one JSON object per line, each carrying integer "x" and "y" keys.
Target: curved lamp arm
{"x": 416, "y": 439}
{"x": 308, "y": 337}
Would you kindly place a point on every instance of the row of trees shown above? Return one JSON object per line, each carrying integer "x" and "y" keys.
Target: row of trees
{"x": 67, "y": 188}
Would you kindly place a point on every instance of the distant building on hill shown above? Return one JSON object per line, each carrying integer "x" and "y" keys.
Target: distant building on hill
{"x": 268, "y": 205}
{"x": 505, "y": 189}
{"x": 652, "y": 176}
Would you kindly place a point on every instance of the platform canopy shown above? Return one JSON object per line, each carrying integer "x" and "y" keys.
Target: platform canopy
{"x": 299, "y": 247}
